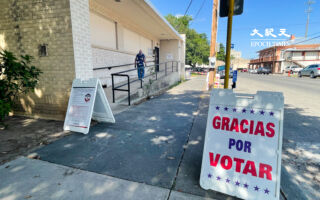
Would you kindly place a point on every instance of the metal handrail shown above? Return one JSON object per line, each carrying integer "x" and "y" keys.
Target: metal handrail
{"x": 116, "y": 66}
{"x": 129, "y": 82}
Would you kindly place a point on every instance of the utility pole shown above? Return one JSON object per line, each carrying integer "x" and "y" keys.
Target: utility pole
{"x": 214, "y": 28}
{"x": 308, "y": 11}
{"x": 212, "y": 57}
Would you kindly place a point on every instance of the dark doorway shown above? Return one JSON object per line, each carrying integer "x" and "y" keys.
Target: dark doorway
{"x": 156, "y": 58}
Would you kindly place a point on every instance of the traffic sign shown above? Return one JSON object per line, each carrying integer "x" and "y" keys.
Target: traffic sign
{"x": 234, "y": 76}
{"x": 243, "y": 143}
{"x": 224, "y": 7}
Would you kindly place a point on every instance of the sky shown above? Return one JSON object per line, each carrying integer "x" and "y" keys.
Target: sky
{"x": 257, "y": 14}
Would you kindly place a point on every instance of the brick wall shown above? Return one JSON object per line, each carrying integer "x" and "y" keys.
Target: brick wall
{"x": 80, "y": 20}
{"x": 24, "y": 25}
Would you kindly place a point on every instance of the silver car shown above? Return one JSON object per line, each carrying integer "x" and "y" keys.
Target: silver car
{"x": 312, "y": 70}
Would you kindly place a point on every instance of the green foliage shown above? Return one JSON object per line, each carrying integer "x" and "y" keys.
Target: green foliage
{"x": 197, "y": 45}
{"x": 16, "y": 77}
{"x": 221, "y": 55}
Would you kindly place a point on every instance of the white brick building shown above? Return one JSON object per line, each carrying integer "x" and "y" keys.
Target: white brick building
{"x": 80, "y": 36}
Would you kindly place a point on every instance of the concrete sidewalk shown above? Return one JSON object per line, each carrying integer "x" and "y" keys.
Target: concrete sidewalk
{"x": 153, "y": 151}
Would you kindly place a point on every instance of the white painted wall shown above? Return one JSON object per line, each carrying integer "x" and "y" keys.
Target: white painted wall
{"x": 103, "y": 31}
{"x": 133, "y": 42}
{"x": 80, "y": 23}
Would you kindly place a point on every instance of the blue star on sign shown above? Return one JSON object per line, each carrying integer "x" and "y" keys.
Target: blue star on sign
{"x": 217, "y": 108}
{"x": 226, "y": 108}
{"x": 246, "y": 185}
{"x": 271, "y": 113}
{"x": 234, "y": 110}
{"x": 244, "y": 110}
{"x": 209, "y": 175}
{"x": 266, "y": 191}
{"x": 218, "y": 178}
{"x": 256, "y": 188}
{"x": 237, "y": 183}
{"x": 262, "y": 112}
{"x": 252, "y": 111}
{"x": 227, "y": 180}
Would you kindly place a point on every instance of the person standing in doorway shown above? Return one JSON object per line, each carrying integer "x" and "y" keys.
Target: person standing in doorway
{"x": 140, "y": 63}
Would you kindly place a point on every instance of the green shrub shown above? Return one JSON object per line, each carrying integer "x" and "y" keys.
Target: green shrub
{"x": 16, "y": 77}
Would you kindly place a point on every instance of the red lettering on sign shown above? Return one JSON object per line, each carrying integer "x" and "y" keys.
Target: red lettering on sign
{"x": 243, "y": 130}
{"x": 234, "y": 125}
{"x": 223, "y": 162}
{"x": 270, "y": 128}
{"x": 250, "y": 168}
{"x": 225, "y": 123}
{"x": 226, "y": 163}
{"x": 265, "y": 169}
{"x": 238, "y": 163}
{"x": 259, "y": 129}
{"x": 214, "y": 162}
{"x": 251, "y": 126}
{"x": 216, "y": 122}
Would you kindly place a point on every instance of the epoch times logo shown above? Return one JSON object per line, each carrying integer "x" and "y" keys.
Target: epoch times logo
{"x": 269, "y": 37}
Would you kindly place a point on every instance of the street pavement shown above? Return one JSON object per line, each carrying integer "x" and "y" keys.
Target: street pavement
{"x": 154, "y": 150}
{"x": 301, "y": 135}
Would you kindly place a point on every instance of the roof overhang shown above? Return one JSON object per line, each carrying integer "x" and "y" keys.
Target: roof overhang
{"x": 142, "y": 15}
{"x": 302, "y": 50}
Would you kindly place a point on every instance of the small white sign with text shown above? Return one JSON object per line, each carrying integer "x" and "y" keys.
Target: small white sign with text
{"x": 87, "y": 100}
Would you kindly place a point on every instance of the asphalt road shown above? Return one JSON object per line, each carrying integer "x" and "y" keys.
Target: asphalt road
{"x": 301, "y": 137}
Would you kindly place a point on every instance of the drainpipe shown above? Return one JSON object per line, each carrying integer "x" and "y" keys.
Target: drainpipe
{"x": 274, "y": 53}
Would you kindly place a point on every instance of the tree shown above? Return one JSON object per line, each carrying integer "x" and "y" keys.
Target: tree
{"x": 197, "y": 45}
{"x": 221, "y": 55}
{"x": 16, "y": 77}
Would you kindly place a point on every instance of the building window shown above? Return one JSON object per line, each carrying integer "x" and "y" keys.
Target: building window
{"x": 43, "y": 50}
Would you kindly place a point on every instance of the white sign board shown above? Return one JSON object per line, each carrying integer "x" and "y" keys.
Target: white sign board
{"x": 212, "y": 62}
{"x": 87, "y": 100}
{"x": 243, "y": 141}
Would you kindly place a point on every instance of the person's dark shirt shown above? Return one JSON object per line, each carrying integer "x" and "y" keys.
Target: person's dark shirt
{"x": 140, "y": 59}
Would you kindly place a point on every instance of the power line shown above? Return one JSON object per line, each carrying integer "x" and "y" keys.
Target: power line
{"x": 199, "y": 9}
{"x": 188, "y": 7}
{"x": 306, "y": 40}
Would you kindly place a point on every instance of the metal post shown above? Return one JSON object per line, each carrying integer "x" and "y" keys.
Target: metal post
{"x": 140, "y": 83}
{"x": 172, "y": 65}
{"x": 155, "y": 69}
{"x": 112, "y": 88}
{"x": 165, "y": 69}
{"x": 129, "y": 101}
{"x": 229, "y": 33}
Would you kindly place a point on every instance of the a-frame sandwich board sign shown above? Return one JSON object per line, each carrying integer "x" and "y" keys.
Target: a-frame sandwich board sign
{"x": 243, "y": 144}
{"x": 87, "y": 100}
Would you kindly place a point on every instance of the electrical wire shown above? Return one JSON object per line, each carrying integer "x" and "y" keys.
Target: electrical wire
{"x": 199, "y": 10}
{"x": 188, "y": 8}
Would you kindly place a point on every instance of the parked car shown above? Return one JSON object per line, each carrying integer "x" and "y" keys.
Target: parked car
{"x": 252, "y": 71}
{"x": 312, "y": 70}
{"x": 292, "y": 69}
{"x": 244, "y": 70}
{"x": 263, "y": 70}
{"x": 221, "y": 71}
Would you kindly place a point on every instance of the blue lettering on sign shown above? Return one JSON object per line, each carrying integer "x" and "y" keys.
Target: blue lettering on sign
{"x": 234, "y": 76}
{"x": 240, "y": 145}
